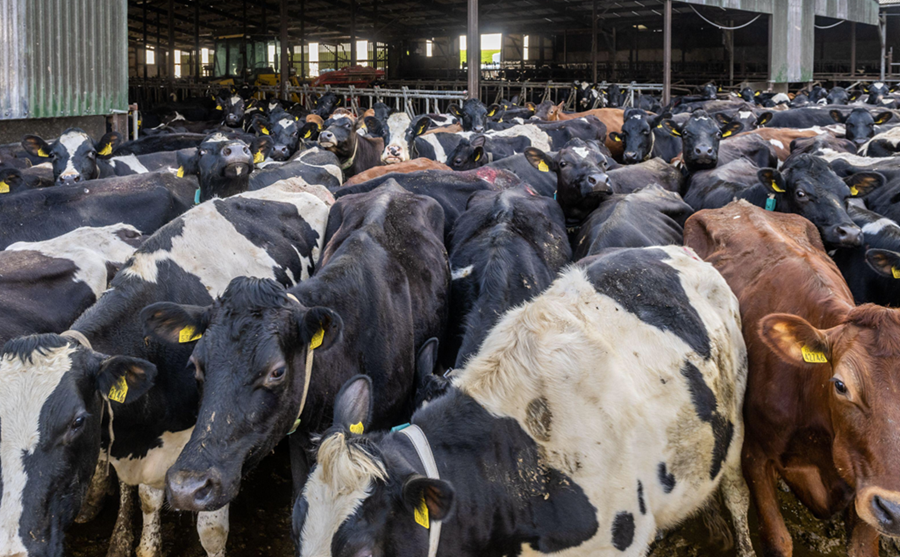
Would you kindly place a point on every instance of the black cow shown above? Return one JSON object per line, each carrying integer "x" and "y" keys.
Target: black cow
{"x": 615, "y": 96}
{"x": 651, "y": 216}
{"x": 473, "y": 115}
{"x": 157, "y": 143}
{"x": 748, "y": 94}
{"x": 628, "y": 179}
{"x": 75, "y": 156}
{"x": 326, "y": 104}
{"x": 870, "y": 270}
{"x": 820, "y": 144}
{"x": 860, "y": 124}
{"x": 749, "y": 146}
{"x": 13, "y": 180}
{"x": 837, "y": 95}
{"x": 232, "y": 106}
{"x": 582, "y": 181}
{"x": 817, "y": 94}
{"x": 381, "y": 291}
{"x": 644, "y": 138}
{"x": 700, "y": 137}
{"x": 806, "y": 186}
{"x": 505, "y": 249}
{"x": 356, "y": 153}
{"x": 803, "y": 118}
{"x": 223, "y": 165}
{"x": 877, "y": 92}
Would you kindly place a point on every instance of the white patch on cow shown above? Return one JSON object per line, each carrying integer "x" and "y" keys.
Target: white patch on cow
{"x": 332, "y": 169}
{"x": 891, "y": 137}
{"x": 397, "y": 123}
{"x": 89, "y": 248}
{"x": 461, "y": 273}
{"x": 178, "y": 116}
{"x": 71, "y": 142}
{"x": 539, "y": 139}
{"x": 151, "y": 503}
{"x": 565, "y": 350}
{"x": 777, "y": 143}
{"x": 581, "y": 152}
{"x": 234, "y": 255}
{"x": 213, "y": 530}
{"x": 781, "y": 98}
{"x": 744, "y": 114}
{"x": 285, "y": 122}
{"x": 831, "y": 155}
{"x": 132, "y": 162}
{"x": 24, "y": 388}
{"x": 150, "y": 470}
{"x": 639, "y": 116}
{"x": 701, "y": 118}
{"x": 879, "y": 225}
{"x": 432, "y": 139}
{"x": 217, "y": 137}
{"x": 235, "y": 99}
{"x": 878, "y": 85}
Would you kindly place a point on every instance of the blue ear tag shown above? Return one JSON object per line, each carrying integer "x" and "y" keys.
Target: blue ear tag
{"x": 197, "y": 197}
{"x": 400, "y": 427}
{"x": 770, "y": 203}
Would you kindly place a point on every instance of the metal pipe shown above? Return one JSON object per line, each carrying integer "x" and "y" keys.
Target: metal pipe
{"x": 197, "y": 71}
{"x": 302, "y": 39}
{"x": 170, "y": 66}
{"x": 594, "y": 39}
{"x": 285, "y": 70}
{"x": 667, "y": 53}
{"x": 145, "y": 40}
{"x": 882, "y": 34}
{"x": 730, "y": 54}
{"x": 853, "y": 48}
{"x": 353, "y": 60}
{"x": 473, "y": 48}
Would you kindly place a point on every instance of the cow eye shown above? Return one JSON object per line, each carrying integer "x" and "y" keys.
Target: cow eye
{"x": 459, "y": 161}
{"x": 78, "y": 422}
{"x": 719, "y": 135}
{"x": 801, "y": 194}
{"x": 276, "y": 376}
{"x": 563, "y": 164}
{"x": 92, "y": 155}
{"x": 839, "y": 386}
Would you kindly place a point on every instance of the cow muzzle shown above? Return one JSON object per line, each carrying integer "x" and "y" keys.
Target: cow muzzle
{"x": 843, "y": 235}
{"x": 881, "y": 509}
{"x": 630, "y": 157}
{"x": 232, "y": 119}
{"x": 280, "y": 152}
{"x": 596, "y": 184}
{"x": 237, "y": 160}
{"x": 69, "y": 178}
{"x": 195, "y": 491}
{"x": 327, "y": 140}
{"x": 393, "y": 154}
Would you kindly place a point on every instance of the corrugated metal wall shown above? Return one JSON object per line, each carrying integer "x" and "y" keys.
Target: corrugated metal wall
{"x": 63, "y": 58}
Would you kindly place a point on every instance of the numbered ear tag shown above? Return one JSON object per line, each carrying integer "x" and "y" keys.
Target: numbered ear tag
{"x": 188, "y": 334}
{"x": 770, "y": 203}
{"x": 180, "y": 172}
{"x": 107, "y": 150}
{"x": 542, "y": 166}
{"x": 421, "y": 514}
{"x": 42, "y": 153}
{"x": 896, "y": 272}
{"x": 813, "y": 356}
{"x": 357, "y": 428}
{"x": 4, "y": 187}
{"x": 317, "y": 339}
{"x": 264, "y": 130}
{"x": 258, "y": 157}
{"x": 854, "y": 191}
{"x": 119, "y": 390}
{"x": 776, "y": 187}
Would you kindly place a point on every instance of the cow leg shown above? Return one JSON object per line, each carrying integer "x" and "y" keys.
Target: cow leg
{"x": 760, "y": 474}
{"x": 300, "y": 461}
{"x": 97, "y": 492}
{"x": 864, "y": 540}
{"x": 151, "y": 535}
{"x": 213, "y": 530}
{"x": 123, "y": 537}
{"x": 737, "y": 499}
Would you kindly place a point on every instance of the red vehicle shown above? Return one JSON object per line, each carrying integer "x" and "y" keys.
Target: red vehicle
{"x": 358, "y": 76}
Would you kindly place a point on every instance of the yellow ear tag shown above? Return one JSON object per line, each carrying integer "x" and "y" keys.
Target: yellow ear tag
{"x": 357, "y": 428}
{"x": 812, "y": 356}
{"x": 4, "y": 187}
{"x": 317, "y": 339}
{"x": 542, "y": 166}
{"x": 854, "y": 191}
{"x": 188, "y": 334}
{"x": 180, "y": 172}
{"x": 676, "y": 133}
{"x": 616, "y": 138}
{"x": 776, "y": 188}
{"x": 307, "y": 134}
{"x": 726, "y": 134}
{"x": 218, "y": 107}
{"x": 42, "y": 153}
{"x": 258, "y": 157}
{"x": 107, "y": 150}
{"x": 477, "y": 157}
{"x": 119, "y": 390}
{"x": 264, "y": 130}
{"x": 421, "y": 514}
{"x": 896, "y": 272}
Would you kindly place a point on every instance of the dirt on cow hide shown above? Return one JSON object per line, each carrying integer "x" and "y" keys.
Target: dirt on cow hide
{"x": 261, "y": 526}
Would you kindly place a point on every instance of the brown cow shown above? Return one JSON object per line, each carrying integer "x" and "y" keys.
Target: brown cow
{"x": 830, "y": 427}
{"x": 780, "y": 138}
{"x": 613, "y": 118}
{"x": 401, "y": 167}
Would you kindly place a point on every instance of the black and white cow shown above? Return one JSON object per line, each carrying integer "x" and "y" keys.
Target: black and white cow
{"x": 45, "y": 286}
{"x": 314, "y": 166}
{"x": 505, "y": 249}
{"x": 588, "y": 97}
{"x": 399, "y": 132}
{"x": 750, "y": 146}
{"x": 544, "y": 393}
{"x": 700, "y": 137}
{"x": 223, "y": 165}
{"x": 651, "y": 216}
{"x": 275, "y": 234}
{"x": 837, "y": 95}
{"x": 75, "y": 156}
{"x": 870, "y": 270}
{"x": 885, "y": 144}
{"x": 644, "y": 138}
{"x": 877, "y": 93}
{"x": 357, "y": 153}
{"x": 157, "y": 143}
{"x": 472, "y": 116}
{"x": 232, "y": 107}
{"x": 381, "y": 291}
{"x": 630, "y": 178}
{"x": 822, "y": 144}
{"x": 860, "y": 124}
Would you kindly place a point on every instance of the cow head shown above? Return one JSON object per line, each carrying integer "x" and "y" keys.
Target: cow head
{"x": 817, "y": 93}
{"x": 340, "y": 137}
{"x": 286, "y": 134}
{"x": 748, "y": 119}
{"x": 586, "y": 95}
{"x": 548, "y": 111}
{"x": 74, "y": 155}
{"x": 615, "y": 96}
{"x": 748, "y": 94}
{"x": 11, "y": 181}
{"x": 326, "y": 104}
{"x": 700, "y": 137}
{"x": 251, "y": 361}
{"x": 232, "y": 107}
{"x": 854, "y": 364}
{"x": 709, "y": 92}
{"x": 472, "y": 116}
{"x": 582, "y": 182}
{"x": 365, "y": 496}
{"x": 807, "y": 186}
{"x": 838, "y": 95}
{"x": 223, "y": 165}
{"x": 637, "y": 134}
{"x": 53, "y": 391}
{"x": 401, "y": 134}
{"x": 877, "y": 92}
{"x": 860, "y": 124}
{"x": 469, "y": 154}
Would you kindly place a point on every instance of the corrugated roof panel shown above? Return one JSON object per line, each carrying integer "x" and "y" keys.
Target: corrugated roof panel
{"x": 63, "y": 58}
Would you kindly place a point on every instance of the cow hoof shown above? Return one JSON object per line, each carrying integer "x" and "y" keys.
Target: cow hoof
{"x": 149, "y": 552}
{"x": 119, "y": 550}
{"x": 90, "y": 510}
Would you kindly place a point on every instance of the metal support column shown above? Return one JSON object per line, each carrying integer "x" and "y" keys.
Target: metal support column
{"x": 882, "y": 34}
{"x": 473, "y": 51}
{"x": 594, "y": 40}
{"x": 667, "y": 53}
{"x": 303, "y": 56}
{"x": 730, "y": 34}
{"x": 145, "y": 40}
{"x": 243, "y": 39}
{"x": 170, "y": 57}
{"x": 852, "y": 48}
{"x": 198, "y": 72}
{"x": 353, "y": 60}
{"x": 285, "y": 67}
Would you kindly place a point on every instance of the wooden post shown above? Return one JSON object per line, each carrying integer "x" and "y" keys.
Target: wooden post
{"x": 667, "y": 53}
{"x": 473, "y": 48}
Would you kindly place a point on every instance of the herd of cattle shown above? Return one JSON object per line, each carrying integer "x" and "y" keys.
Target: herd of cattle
{"x": 594, "y": 322}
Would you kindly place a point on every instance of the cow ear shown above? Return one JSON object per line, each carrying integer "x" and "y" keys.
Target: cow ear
{"x": 492, "y": 110}
{"x": 862, "y": 183}
{"x": 320, "y": 328}
{"x": 764, "y": 118}
{"x": 854, "y": 95}
{"x": 530, "y": 106}
{"x": 353, "y": 404}
{"x": 108, "y": 143}
{"x": 426, "y": 359}
{"x": 454, "y": 110}
{"x": 478, "y": 154}
{"x": 794, "y": 340}
{"x": 261, "y": 148}
{"x": 428, "y": 499}
{"x": 731, "y": 128}
{"x": 477, "y": 141}
{"x": 883, "y": 117}
{"x": 671, "y": 127}
{"x": 865, "y": 89}
{"x": 188, "y": 163}
{"x": 722, "y": 118}
{"x": 539, "y": 159}
{"x": 422, "y": 126}
{"x": 35, "y": 146}
{"x": 310, "y": 131}
{"x": 174, "y": 323}
{"x": 658, "y": 120}
{"x": 373, "y": 127}
{"x": 124, "y": 379}
{"x": 837, "y": 116}
{"x": 617, "y": 137}
{"x": 884, "y": 262}
{"x": 772, "y": 179}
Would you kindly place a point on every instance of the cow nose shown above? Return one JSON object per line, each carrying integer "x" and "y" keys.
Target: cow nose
{"x": 630, "y": 156}
{"x": 703, "y": 151}
{"x": 848, "y": 234}
{"x": 478, "y": 129}
{"x": 281, "y": 151}
{"x": 327, "y": 136}
{"x": 598, "y": 182}
{"x": 192, "y": 491}
{"x": 887, "y": 513}
{"x": 69, "y": 179}
{"x": 394, "y": 150}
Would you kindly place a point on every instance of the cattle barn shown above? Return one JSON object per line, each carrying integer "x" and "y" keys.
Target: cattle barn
{"x": 453, "y": 278}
